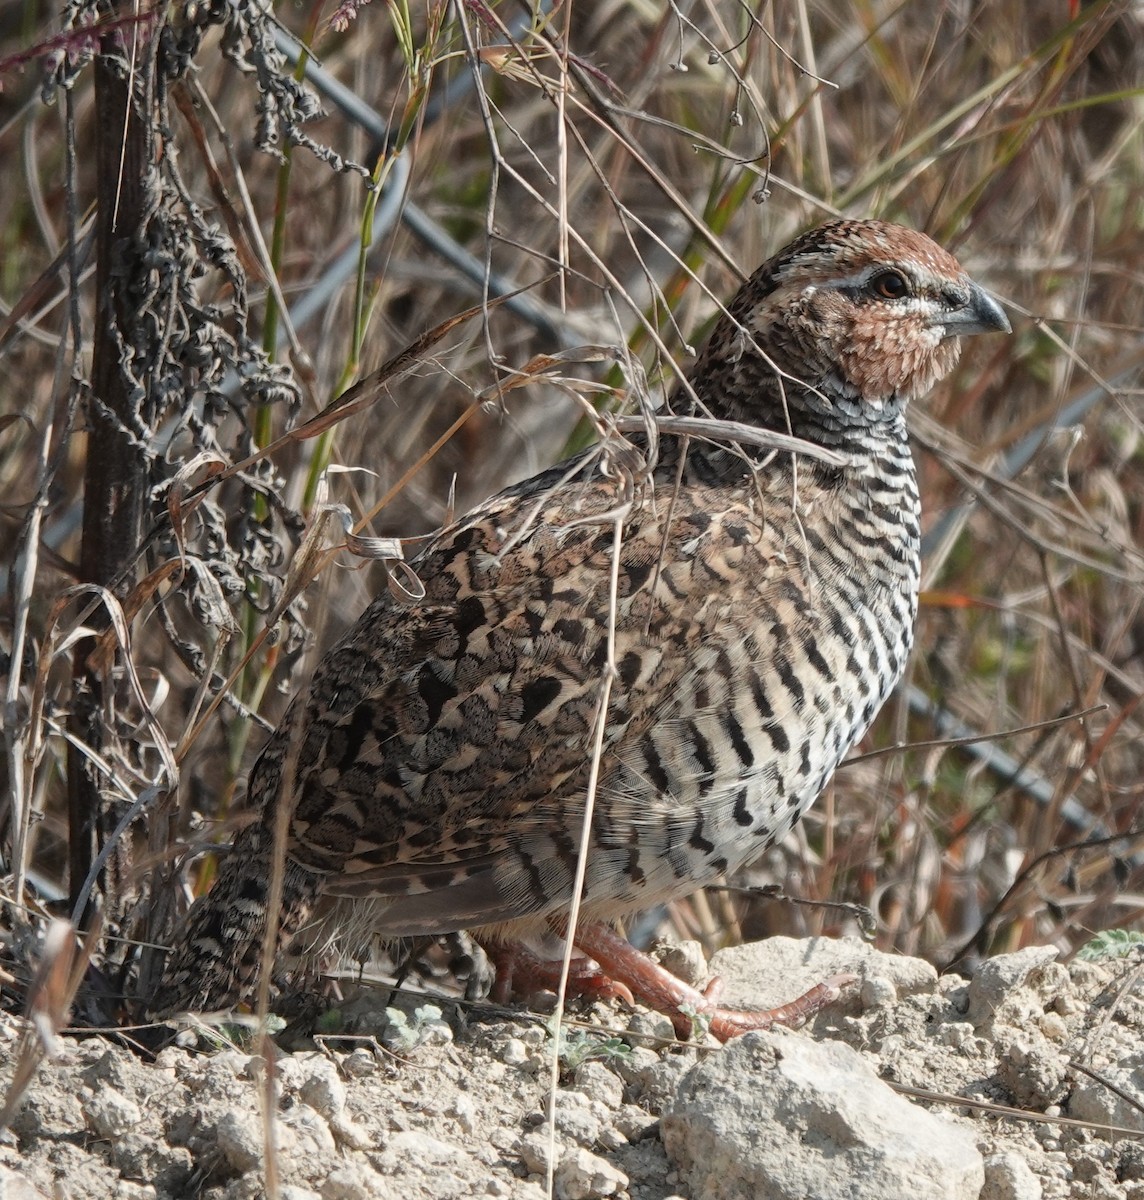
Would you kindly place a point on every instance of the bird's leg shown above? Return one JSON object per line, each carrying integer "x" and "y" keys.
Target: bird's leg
{"x": 614, "y": 969}
{"x": 661, "y": 990}
{"x": 519, "y": 972}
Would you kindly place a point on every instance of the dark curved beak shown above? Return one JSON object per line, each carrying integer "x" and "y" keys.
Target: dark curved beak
{"x": 979, "y": 314}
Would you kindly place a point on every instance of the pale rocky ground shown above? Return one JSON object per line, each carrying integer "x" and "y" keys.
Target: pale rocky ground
{"x": 460, "y": 1111}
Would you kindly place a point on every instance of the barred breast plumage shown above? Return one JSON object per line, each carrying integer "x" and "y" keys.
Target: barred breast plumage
{"x": 765, "y": 604}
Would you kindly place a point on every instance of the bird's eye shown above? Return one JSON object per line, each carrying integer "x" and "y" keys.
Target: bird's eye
{"x": 890, "y": 285}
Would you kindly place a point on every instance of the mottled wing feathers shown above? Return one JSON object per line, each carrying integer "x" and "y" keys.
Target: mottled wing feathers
{"x": 464, "y": 736}
{"x": 478, "y": 702}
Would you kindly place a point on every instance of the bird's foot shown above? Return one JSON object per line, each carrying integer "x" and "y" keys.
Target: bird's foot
{"x": 621, "y": 962}
{"x": 521, "y": 973}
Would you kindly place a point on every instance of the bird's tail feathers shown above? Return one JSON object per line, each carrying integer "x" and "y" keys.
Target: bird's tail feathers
{"x": 218, "y": 947}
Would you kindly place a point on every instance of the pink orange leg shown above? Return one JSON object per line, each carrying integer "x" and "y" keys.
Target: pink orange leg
{"x": 659, "y": 989}
{"x": 522, "y": 973}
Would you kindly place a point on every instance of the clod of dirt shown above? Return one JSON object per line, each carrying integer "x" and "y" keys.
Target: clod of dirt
{"x": 1009, "y": 1177}
{"x": 1015, "y": 988}
{"x": 1115, "y": 1096}
{"x": 833, "y": 1129}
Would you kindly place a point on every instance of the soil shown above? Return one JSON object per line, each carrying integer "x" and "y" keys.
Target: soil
{"x": 428, "y": 1099}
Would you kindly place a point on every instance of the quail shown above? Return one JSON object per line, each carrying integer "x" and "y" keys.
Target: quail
{"x": 754, "y": 608}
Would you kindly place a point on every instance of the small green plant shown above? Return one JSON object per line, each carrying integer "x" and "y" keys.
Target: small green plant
{"x": 1112, "y": 943}
{"x": 406, "y": 1032}
{"x": 332, "y": 1021}
{"x": 700, "y": 1022}
{"x": 577, "y": 1048}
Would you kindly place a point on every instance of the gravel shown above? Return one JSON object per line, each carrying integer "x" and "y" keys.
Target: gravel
{"x": 463, "y": 1110}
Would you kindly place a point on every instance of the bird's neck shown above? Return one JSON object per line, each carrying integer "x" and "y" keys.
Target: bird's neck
{"x": 866, "y": 437}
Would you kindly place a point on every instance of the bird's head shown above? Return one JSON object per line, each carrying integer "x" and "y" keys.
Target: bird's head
{"x": 867, "y": 314}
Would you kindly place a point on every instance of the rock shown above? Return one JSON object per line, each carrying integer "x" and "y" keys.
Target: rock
{"x": 529, "y": 1191}
{"x": 172, "y": 1058}
{"x": 422, "y": 1147}
{"x": 779, "y": 969}
{"x": 350, "y": 1133}
{"x": 316, "y": 1080}
{"x": 1035, "y": 1072}
{"x": 598, "y": 1083}
{"x": 1091, "y": 1166}
{"x": 876, "y": 991}
{"x": 633, "y": 1122}
{"x": 582, "y": 1175}
{"x": 311, "y": 1136}
{"x": 240, "y": 1139}
{"x": 226, "y": 1064}
{"x": 533, "y": 1036}
{"x": 140, "y": 1155}
{"x": 110, "y": 1114}
{"x": 533, "y": 1150}
{"x": 13, "y": 1187}
{"x": 463, "y": 1111}
{"x": 1093, "y": 1101}
{"x": 685, "y": 960}
{"x": 826, "y": 1117}
{"x": 658, "y": 1083}
{"x": 579, "y": 1174}
{"x": 360, "y": 1063}
{"x": 514, "y": 1052}
{"x": 631, "y": 1067}
{"x": 653, "y": 1030}
{"x": 579, "y": 1118}
{"x": 355, "y": 1181}
{"x": 128, "y": 1189}
{"x": 106, "y": 1068}
{"x": 959, "y": 1035}
{"x": 1130, "y": 1165}
{"x": 1016, "y": 989}
{"x": 411, "y": 1154}
{"x": 448, "y": 1124}
{"x": 610, "y": 1139}
{"x": 1008, "y": 1177}
{"x": 1053, "y": 1025}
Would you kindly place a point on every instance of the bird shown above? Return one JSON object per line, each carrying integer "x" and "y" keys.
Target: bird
{"x": 751, "y": 606}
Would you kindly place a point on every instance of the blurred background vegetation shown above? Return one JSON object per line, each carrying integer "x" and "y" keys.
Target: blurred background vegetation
{"x": 181, "y": 290}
